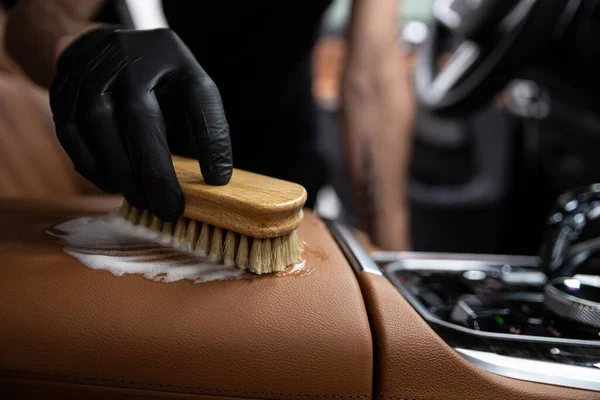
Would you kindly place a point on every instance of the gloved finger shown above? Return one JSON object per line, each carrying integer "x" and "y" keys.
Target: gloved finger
{"x": 203, "y": 106}
{"x": 143, "y": 130}
{"x": 96, "y": 116}
{"x": 83, "y": 160}
{"x": 64, "y": 93}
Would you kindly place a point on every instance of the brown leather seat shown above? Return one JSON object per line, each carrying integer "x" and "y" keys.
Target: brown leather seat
{"x": 32, "y": 162}
{"x": 69, "y": 331}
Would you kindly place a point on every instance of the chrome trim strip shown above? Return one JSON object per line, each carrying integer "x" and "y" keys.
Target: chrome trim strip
{"x": 462, "y": 59}
{"x": 516, "y": 16}
{"x": 441, "y": 265}
{"x": 391, "y": 256}
{"x": 534, "y": 371}
{"x": 442, "y": 10}
{"x": 567, "y": 17}
{"x": 356, "y": 254}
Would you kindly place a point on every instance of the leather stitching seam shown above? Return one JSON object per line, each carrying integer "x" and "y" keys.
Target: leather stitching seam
{"x": 186, "y": 387}
{"x": 108, "y": 395}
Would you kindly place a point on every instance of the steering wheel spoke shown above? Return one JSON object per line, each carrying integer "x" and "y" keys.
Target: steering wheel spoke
{"x": 497, "y": 38}
{"x": 442, "y": 11}
{"x": 464, "y": 58}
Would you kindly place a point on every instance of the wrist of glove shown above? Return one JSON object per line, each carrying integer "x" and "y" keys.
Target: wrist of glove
{"x": 107, "y": 100}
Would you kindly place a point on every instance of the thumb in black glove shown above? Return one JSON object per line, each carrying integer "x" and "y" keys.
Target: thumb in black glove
{"x": 109, "y": 121}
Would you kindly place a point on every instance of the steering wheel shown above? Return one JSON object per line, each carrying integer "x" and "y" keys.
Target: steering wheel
{"x": 493, "y": 40}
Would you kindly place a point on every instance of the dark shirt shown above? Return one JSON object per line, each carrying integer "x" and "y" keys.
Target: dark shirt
{"x": 259, "y": 55}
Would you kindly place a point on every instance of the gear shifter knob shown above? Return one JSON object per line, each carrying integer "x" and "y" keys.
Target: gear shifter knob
{"x": 573, "y": 231}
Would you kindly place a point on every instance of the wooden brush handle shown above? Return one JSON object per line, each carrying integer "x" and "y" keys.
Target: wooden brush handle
{"x": 250, "y": 204}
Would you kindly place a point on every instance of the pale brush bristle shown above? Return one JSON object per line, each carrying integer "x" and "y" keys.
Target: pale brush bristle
{"x": 167, "y": 233}
{"x": 285, "y": 248}
{"x": 191, "y": 235}
{"x": 203, "y": 245}
{"x": 229, "y": 249}
{"x": 255, "y": 261}
{"x": 216, "y": 245}
{"x": 179, "y": 230}
{"x": 241, "y": 258}
{"x": 124, "y": 210}
{"x": 167, "y": 228}
{"x": 294, "y": 248}
{"x": 223, "y": 246}
{"x": 277, "y": 258}
{"x": 146, "y": 218}
{"x": 267, "y": 256}
{"x": 134, "y": 216}
{"x": 156, "y": 224}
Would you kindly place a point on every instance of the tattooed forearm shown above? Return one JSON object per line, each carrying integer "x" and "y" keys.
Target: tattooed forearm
{"x": 366, "y": 188}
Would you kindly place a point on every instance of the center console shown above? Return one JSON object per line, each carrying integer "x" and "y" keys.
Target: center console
{"x": 532, "y": 318}
{"x": 500, "y": 312}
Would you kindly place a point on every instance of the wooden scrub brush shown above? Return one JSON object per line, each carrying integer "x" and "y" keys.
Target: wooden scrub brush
{"x": 251, "y": 222}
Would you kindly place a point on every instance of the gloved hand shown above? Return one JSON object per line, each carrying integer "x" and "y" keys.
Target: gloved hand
{"x": 110, "y": 123}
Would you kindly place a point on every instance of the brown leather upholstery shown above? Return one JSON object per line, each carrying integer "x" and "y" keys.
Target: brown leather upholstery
{"x": 72, "y": 332}
{"x": 413, "y": 362}
{"x": 32, "y": 162}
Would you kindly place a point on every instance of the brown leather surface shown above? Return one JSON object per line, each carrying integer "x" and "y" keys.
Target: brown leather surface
{"x": 32, "y": 161}
{"x": 287, "y": 337}
{"x": 413, "y": 362}
{"x": 59, "y": 206}
{"x": 17, "y": 389}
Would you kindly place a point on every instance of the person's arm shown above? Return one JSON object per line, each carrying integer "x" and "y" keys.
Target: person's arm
{"x": 376, "y": 119}
{"x": 38, "y": 30}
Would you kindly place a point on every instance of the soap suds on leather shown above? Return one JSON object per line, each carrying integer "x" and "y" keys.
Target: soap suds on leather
{"x": 111, "y": 244}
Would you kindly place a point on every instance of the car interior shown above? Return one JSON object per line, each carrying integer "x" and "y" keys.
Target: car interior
{"x": 497, "y": 297}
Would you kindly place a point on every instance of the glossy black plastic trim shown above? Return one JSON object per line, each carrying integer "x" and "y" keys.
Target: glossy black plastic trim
{"x": 432, "y": 319}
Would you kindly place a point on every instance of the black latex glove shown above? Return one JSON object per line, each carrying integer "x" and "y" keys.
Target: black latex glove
{"x": 110, "y": 123}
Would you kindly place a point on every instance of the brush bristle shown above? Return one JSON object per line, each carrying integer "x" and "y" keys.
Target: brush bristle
{"x": 156, "y": 224}
{"x": 260, "y": 256}
{"x": 167, "y": 232}
{"x": 124, "y": 210}
{"x": 241, "y": 258}
{"x": 146, "y": 218}
{"x": 229, "y": 249}
{"x": 203, "y": 244}
{"x": 191, "y": 235}
{"x": 216, "y": 245}
{"x": 133, "y": 216}
{"x": 256, "y": 257}
{"x": 179, "y": 230}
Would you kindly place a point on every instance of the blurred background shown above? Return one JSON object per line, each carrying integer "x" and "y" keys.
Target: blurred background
{"x": 483, "y": 181}
{"x": 26, "y": 128}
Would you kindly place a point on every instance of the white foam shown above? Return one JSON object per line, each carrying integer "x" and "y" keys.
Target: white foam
{"x": 110, "y": 243}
